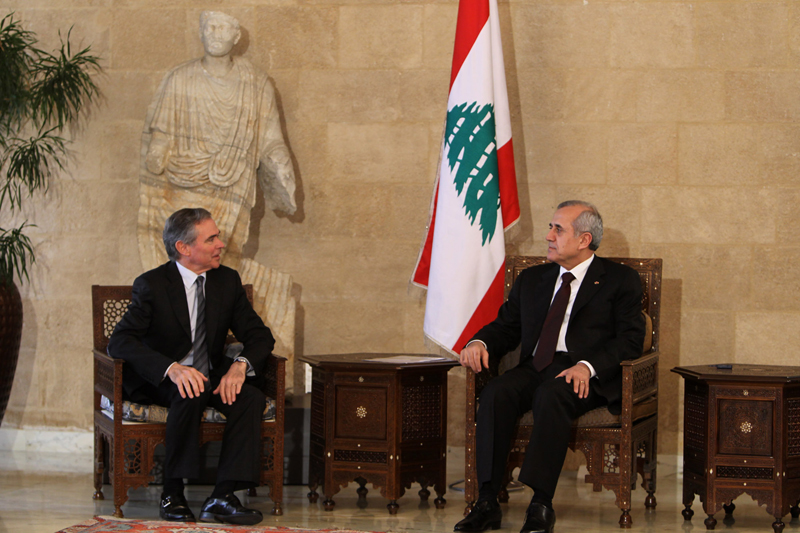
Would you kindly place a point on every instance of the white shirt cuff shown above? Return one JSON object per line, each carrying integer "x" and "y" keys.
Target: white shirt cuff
{"x": 591, "y": 368}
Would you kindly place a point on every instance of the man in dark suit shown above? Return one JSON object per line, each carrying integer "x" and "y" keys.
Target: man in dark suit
{"x": 576, "y": 319}
{"x": 172, "y": 339}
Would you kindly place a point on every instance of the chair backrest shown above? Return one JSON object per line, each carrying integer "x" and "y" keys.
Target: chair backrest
{"x": 109, "y": 303}
{"x": 649, "y": 273}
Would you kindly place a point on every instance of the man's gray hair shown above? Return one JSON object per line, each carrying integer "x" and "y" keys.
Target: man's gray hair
{"x": 181, "y": 226}
{"x": 205, "y": 15}
{"x": 589, "y": 221}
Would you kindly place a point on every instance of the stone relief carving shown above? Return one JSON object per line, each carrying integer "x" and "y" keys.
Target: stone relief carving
{"x": 211, "y": 133}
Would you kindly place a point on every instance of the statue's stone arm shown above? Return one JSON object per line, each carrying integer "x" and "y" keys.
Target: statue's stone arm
{"x": 158, "y": 153}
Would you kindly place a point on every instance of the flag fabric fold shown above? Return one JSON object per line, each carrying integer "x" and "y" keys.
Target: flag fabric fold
{"x": 462, "y": 259}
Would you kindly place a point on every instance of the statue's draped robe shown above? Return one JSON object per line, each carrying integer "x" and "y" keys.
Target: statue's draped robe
{"x": 223, "y": 134}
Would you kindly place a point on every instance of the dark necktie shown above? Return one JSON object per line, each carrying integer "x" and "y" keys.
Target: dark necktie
{"x": 548, "y": 339}
{"x": 199, "y": 348}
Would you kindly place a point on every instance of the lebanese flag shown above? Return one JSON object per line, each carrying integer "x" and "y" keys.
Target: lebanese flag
{"x": 462, "y": 261}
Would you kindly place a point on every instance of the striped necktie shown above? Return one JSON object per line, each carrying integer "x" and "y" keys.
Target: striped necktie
{"x": 199, "y": 347}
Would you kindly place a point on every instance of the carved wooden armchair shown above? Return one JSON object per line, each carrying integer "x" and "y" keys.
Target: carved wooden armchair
{"x": 616, "y": 447}
{"x": 130, "y": 445}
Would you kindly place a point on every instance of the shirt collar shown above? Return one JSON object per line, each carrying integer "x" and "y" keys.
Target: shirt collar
{"x": 187, "y": 275}
{"x": 579, "y": 271}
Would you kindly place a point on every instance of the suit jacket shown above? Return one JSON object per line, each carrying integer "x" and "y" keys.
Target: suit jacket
{"x": 606, "y": 325}
{"x": 156, "y": 332}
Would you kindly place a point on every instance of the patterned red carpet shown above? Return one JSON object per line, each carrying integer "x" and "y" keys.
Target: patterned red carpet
{"x": 109, "y": 525}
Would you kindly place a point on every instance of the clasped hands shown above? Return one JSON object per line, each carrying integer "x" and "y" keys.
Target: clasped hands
{"x": 476, "y": 357}
{"x": 191, "y": 382}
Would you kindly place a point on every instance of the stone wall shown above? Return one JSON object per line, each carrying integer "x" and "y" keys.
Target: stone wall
{"x": 678, "y": 119}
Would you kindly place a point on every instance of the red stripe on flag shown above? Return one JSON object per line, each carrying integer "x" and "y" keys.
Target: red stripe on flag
{"x": 486, "y": 310}
{"x": 472, "y": 17}
{"x": 509, "y": 199}
{"x": 423, "y": 270}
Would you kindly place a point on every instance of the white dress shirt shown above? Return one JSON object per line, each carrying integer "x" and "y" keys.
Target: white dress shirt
{"x": 189, "y": 280}
{"x": 579, "y": 272}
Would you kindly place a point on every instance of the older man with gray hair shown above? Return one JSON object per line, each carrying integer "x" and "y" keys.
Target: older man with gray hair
{"x": 576, "y": 318}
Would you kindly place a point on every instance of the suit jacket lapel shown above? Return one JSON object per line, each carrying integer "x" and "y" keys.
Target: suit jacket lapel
{"x": 543, "y": 295}
{"x": 177, "y": 298}
{"x": 590, "y": 285}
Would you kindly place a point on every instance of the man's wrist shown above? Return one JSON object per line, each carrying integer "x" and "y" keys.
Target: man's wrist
{"x": 589, "y": 366}
{"x": 479, "y": 341}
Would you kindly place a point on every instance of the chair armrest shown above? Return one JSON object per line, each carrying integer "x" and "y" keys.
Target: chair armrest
{"x": 275, "y": 376}
{"x": 639, "y": 378}
{"x": 275, "y": 384}
{"x": 108, "y": 380}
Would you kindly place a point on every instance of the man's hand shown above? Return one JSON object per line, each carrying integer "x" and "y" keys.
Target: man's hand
{"x": 190, "y": 381}
{"x": 579, "y": 375}
{"x": 231, "y": 383}
{"x": 475, "y": 357}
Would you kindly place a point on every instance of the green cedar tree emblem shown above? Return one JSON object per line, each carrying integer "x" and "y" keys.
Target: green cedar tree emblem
{"x": 472, "y": 156}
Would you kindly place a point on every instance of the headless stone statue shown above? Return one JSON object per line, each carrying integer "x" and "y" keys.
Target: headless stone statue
{"x": 211, "y": 132}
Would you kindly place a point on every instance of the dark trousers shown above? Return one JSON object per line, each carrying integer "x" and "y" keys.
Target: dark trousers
{"x": 241, "y": 442}
{"x": 554, "y": 404}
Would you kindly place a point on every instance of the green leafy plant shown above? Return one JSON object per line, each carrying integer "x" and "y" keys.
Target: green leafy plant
{"x": 41, "y": 94}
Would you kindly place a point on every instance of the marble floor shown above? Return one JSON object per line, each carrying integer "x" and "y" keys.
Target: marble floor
{"x": 35, "y": 500}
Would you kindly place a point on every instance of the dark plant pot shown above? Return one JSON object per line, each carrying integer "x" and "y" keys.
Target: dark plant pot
{"x": 10, "y": 335}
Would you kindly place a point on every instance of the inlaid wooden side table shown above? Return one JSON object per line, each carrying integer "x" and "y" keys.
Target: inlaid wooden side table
{"x": 382, "y": 422}
{"x": 741, "y": 436}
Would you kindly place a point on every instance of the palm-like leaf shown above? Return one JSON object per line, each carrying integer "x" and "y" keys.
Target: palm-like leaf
{"x": 40, "y": 94}
{"x": 17, "y": 252}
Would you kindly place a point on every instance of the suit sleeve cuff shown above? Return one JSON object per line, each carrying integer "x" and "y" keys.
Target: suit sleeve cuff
{"x": 167, "y": 372}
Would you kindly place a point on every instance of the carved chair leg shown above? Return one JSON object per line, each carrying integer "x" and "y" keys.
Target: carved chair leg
{"x": 118, "y": 511}
{"x": 687, "y": 512}
{"x": 393, "y": 507}
{"x": 729, "y": 508}
{"x": 502, "y": 496}
{"x": 625, "y": 519}
{"x": 424, "y": 493}
{"x": 99, "y": 466}
{"x": 252, "y": 492}
{"x": 778, "y": 525}
{"x": 650, "y": 501}
{"x": 795, "y": 511}
{"x": 277, "y": 510}
{"x": 710, "y": 522}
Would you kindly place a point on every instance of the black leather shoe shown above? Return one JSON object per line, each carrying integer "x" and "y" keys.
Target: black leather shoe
{"x": 539, "y": 519}
{"x": 175, "y": 509}
{"x": 484, "y": 515}
{"x": 230, "y": 510}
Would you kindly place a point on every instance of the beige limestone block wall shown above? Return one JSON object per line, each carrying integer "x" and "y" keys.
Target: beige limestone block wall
{"x": 678, "y": 119}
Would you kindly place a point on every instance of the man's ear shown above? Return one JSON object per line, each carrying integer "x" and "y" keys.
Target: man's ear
{"x": 182, "y": 248}
{"x": 585, "y": 240}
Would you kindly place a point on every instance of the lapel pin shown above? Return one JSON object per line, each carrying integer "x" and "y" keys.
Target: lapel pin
{"x": 597, "y": 283}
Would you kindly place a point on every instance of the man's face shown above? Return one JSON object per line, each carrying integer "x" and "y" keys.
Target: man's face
{"x": 204, "y": 253}
{"x": 564, "y": 247}
{"x": 218, "y": 36}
